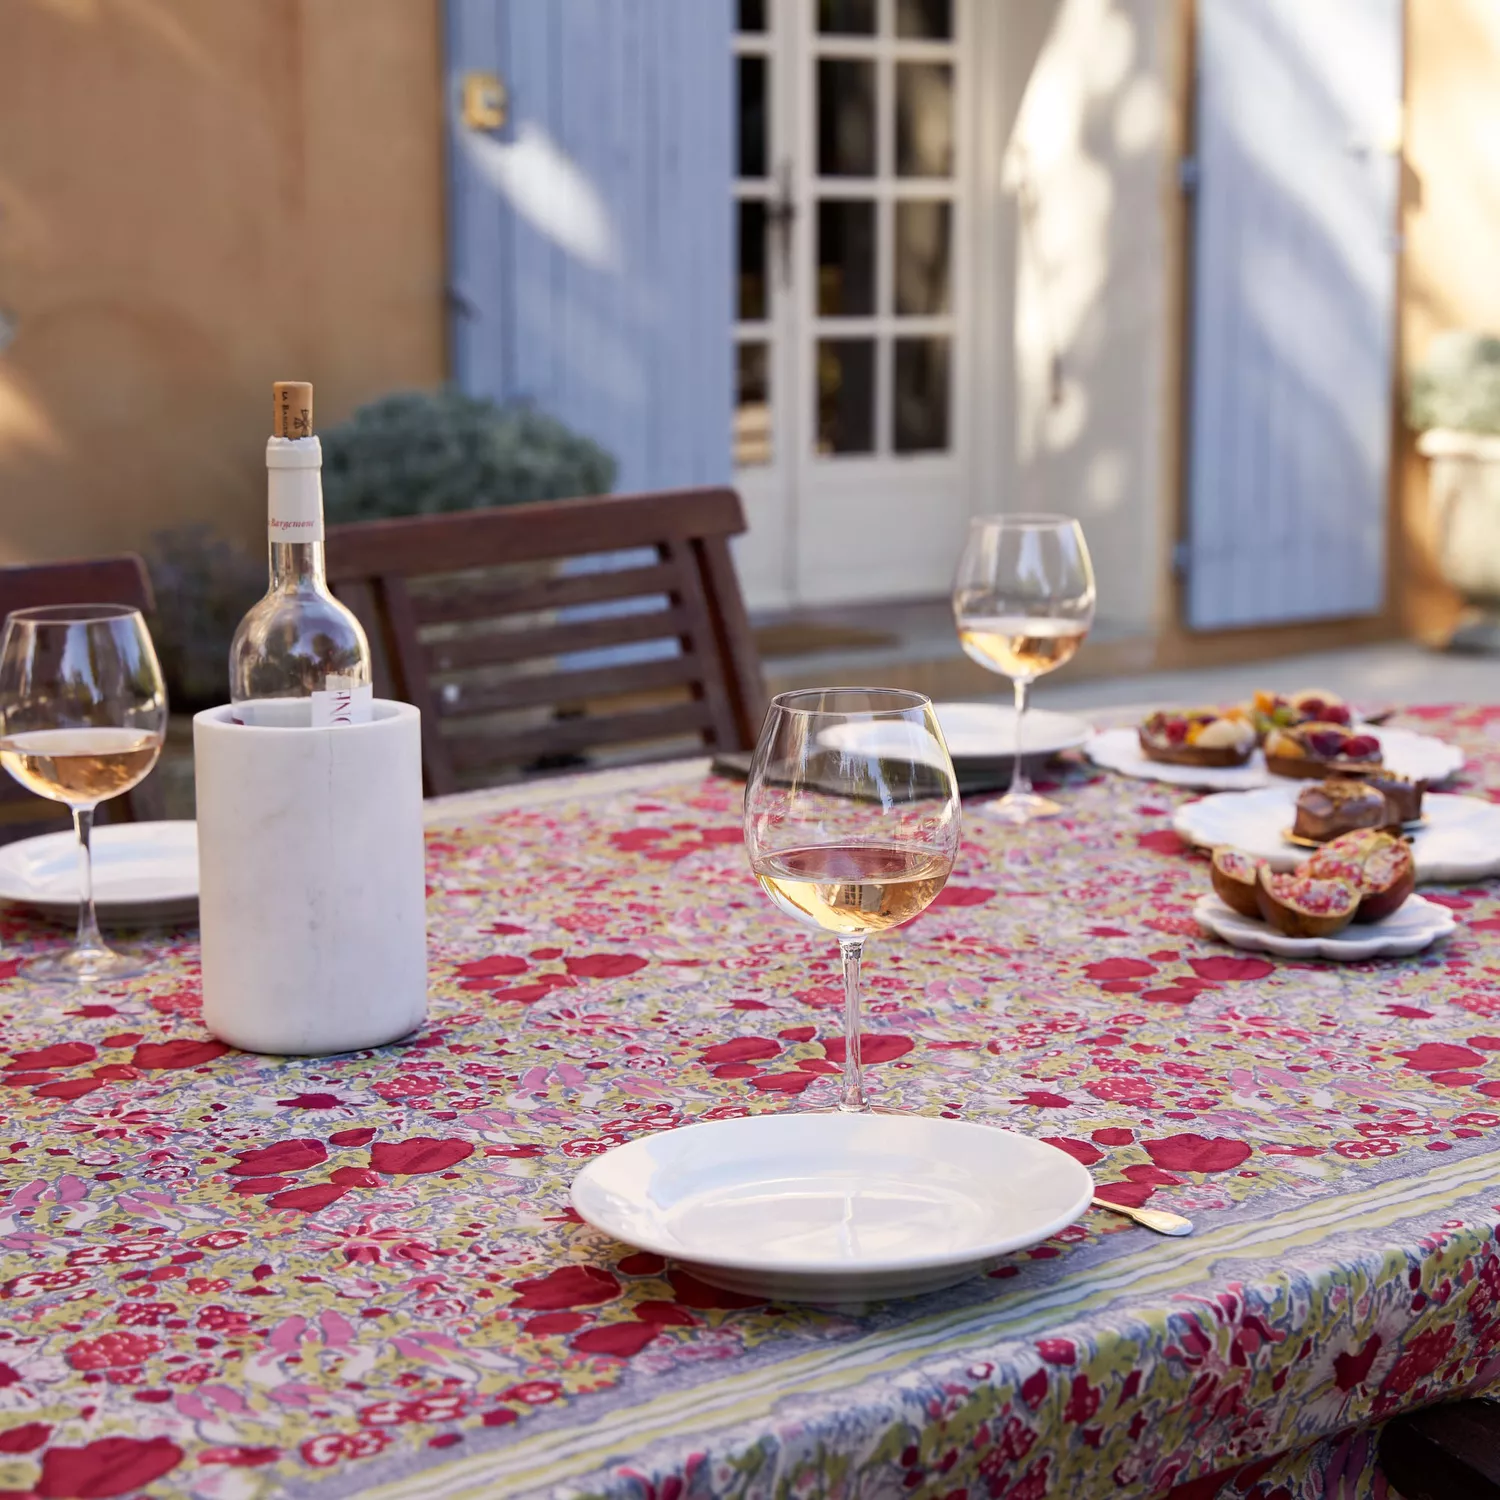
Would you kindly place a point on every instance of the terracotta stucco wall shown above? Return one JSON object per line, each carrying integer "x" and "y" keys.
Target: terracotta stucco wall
{"x": 1452, "y": 226}
{"x": 196, "y": 199}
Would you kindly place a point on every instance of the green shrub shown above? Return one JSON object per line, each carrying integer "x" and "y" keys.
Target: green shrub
{"x": 1458, "y": 385}
{"x": 203, "y": 583}
{"x": 425, "y": 452}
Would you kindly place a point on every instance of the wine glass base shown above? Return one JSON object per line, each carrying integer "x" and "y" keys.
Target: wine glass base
{"x": 1021, "y": 807}
{"x": 838, "y": 1109}
{"x": 84, "y": 966}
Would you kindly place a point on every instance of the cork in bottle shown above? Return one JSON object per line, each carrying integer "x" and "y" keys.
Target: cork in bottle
{"x": 291, "y": 409}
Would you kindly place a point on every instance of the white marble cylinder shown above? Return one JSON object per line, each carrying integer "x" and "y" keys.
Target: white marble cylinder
{"x": 312, "y": 886}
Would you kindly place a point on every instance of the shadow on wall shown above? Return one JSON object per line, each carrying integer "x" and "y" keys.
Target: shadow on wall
{"x": 1085, "y": 166}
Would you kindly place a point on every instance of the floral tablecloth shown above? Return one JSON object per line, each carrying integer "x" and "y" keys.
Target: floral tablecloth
{"x": 230, "y": 1276}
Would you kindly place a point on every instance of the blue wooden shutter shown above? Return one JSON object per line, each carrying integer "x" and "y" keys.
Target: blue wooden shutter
{"x": 590, "y": 249}
{"x": 1293, "y": 309}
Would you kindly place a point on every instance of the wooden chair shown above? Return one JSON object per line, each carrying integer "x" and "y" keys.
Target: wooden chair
{"x": 1448, "y": 1452}
{"x": 540, "y": 637}
{"x": 95, "y": 580}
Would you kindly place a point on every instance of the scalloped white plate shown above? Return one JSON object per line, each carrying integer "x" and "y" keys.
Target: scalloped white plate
{"x": 1416, "y": 925}
{"x": 1458, "y": 840}
{"x": 833, "y": 1208}
{"x": 1120, "y": 750}
{"x": 1419, "y": 756}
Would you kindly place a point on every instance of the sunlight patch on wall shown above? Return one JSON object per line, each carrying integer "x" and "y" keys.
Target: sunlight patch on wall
{"x": 544, "y": 185}
{"x": 25, "y": 428}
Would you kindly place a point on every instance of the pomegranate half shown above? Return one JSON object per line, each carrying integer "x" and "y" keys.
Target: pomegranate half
{"x": 1236, "y": 876}
{"x": 1379, "y": 864}
{"x": 1303, "y": 906}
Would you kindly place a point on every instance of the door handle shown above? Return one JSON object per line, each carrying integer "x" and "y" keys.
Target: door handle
{"x": 484, "y": 101}
{"x": 781, "y": 216}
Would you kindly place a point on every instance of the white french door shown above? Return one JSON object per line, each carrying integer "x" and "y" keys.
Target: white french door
{"x": 854, "y": 327}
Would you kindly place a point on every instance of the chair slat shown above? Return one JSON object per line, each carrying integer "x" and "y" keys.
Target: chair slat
{"x": 89, "y": 580}
{"x": 499, "y": 648}
{"x": 565, "y": 736}
{"x": 735, "y": 640}
{"x": 534, "y": 691}
{"x": 419, "y": 545}
{"x": 461, "y": 601}
{"x": 409, "y": 672}
{"x": 694, "y": 603}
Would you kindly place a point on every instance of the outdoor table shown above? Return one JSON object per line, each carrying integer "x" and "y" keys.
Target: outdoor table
{"x": 230, "y": 1275}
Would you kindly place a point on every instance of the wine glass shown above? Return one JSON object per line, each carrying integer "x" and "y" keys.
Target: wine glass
{"x": 1023, "y": 601}
{"x": 82, "y": 716}
{"x": 851, "y": 823}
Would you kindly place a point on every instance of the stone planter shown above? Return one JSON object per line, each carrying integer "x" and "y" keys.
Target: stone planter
{"x": 1464, "y": 506}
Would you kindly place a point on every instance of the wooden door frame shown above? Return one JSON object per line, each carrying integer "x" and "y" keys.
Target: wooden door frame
{"x": 1176, "y": 646}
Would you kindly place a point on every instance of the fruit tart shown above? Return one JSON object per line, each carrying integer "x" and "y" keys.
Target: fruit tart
{"x": 1308, "y": 750}
{"x": 1198, "y": 737}
{"x": 1310, "y": 706}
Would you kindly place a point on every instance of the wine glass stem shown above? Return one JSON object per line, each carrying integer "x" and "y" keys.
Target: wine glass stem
{"x": 88, "y": 923}
{"x": 1020, "y": 782}
{"x": 852, "y": 1087}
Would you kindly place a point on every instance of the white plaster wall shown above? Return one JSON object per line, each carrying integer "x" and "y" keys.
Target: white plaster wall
{"x": 1092, "y": 151}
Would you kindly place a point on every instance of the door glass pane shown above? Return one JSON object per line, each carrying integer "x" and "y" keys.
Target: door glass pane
{"x": 920, "y": 395}
{"x": 926, "y": 20}
{"x": 752, "y": 404}
{"x": 846, "y": 117}
{"x": 924, "y": 234}
{"x": 752, "y": 16}
{"x": 754, "y": 291}
{"x": 924, "y": 119}
{"x": 846, "y": 395}
{"x": 846, "y": 17}
{"x": 754, "y": 127}
{"x": 846, "y": 258}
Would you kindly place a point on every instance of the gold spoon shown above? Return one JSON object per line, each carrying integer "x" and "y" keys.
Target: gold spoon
{"x": 1150, "y": 1218}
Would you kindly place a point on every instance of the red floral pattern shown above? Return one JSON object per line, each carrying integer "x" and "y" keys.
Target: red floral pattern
{"x": 226, "y": 1275}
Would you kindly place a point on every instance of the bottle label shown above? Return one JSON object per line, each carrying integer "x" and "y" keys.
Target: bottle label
{"x": 342, "y": 701}
{"x": 294, "y": 489}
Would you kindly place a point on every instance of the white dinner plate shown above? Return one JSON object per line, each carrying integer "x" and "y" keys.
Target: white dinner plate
{"x": 1406, "y": 753}
{"x": 143, "y": 872}
{"x": 833, "y": 1208}
{"x": 1416, "y": 924}
{"x": 976, "y": 733}
{"x": 987, "y": 731}
{"x": 1459, "y": 838}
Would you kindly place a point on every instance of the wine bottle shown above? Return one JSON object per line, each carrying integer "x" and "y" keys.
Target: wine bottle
{"x": 299, "y": 657}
